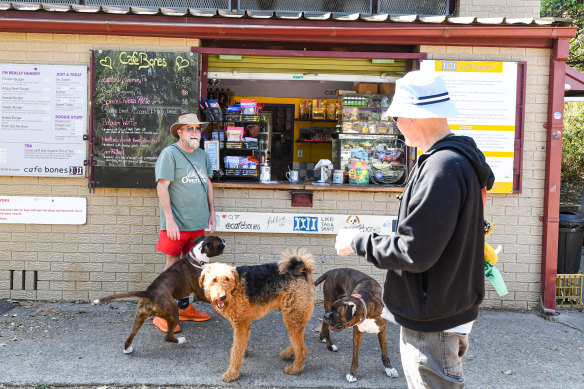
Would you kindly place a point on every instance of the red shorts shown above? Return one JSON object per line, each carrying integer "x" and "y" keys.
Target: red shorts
{"x": 176, "y": 247}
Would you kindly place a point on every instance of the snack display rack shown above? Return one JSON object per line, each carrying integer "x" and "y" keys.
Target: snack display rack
{"x": 369, "y": 149}
{"x": 232, "y": 150}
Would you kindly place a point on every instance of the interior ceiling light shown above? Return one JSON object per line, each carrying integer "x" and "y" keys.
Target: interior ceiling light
{"x": 227, "y": 57}
{"x": 382, "y": 60}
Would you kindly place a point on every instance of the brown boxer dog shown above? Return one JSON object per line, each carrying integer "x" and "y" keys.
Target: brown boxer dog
{"x": 353, "y": 299}
{"x": 179, "y": 280}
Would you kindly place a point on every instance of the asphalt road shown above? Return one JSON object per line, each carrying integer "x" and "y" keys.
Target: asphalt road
{"x": 80, "y": 345}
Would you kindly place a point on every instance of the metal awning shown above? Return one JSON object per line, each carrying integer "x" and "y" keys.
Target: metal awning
{"x": 70, "y": 6}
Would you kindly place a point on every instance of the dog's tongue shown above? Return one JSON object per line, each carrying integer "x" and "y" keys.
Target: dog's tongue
{"x": 220, "y": 304}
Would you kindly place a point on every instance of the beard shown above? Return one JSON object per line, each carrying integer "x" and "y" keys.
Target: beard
{"x": 192, "y": 144}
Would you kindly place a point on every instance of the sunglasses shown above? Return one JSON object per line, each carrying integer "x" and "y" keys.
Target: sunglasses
{"x": 393, "y": 119}
{"x": 192, "y": 129}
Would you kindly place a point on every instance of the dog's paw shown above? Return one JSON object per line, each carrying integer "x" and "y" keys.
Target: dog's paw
{"x": 229, "y": 376}
{"x": 391, "y": 372}
{"x": 291, "y": 369}
{"x": 129, "y": 350}
{"x": 333, "y": 348}
{"x": 287, "y": 353}
{"x": 95, "y": 302}
{"x": 181, "y": 340}
{"x": 350, "y": 378}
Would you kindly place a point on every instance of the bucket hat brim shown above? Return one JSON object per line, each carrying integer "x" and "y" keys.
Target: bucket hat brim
{"x": 421, "y": 95}
{"x": 439, "y": 110}
{"x": 184, "y": 120}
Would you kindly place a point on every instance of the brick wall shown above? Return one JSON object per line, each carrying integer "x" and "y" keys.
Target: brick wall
{"x": 254, "y": 249}
{"x": 493, "y": 8}
{"x": 114, "y": 251}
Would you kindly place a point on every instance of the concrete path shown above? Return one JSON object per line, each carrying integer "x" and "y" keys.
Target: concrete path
{"x": 57, "y": 344}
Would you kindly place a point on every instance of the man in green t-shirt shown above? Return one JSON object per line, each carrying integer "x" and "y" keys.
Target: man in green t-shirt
{"x": 185, "y": 192}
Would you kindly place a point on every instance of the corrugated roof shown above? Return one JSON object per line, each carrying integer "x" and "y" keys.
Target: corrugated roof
{"x": 306, "y": 16}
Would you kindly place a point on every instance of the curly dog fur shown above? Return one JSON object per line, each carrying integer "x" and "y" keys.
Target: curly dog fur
{"x": 247, "y": 293}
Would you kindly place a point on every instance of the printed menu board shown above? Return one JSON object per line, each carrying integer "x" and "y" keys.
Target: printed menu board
{"x": 484, "y": 94}
{"x": 43, "y": 115}
{"x": 137, "y": 96}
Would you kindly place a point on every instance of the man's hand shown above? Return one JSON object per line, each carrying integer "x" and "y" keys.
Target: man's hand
{"x": 172, "y": 230}
{"x": 343, "y": 241}
{"x": 212, "y": 225}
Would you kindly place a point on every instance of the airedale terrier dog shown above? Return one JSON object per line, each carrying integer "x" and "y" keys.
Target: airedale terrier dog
{"x": 248, "y": 293}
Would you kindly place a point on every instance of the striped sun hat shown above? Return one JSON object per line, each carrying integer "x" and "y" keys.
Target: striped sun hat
{"x": 421, "y": 95}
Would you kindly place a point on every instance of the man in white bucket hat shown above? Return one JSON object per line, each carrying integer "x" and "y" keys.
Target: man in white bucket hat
{"x": 183, "y": 174}
{"x": 435, "y": 261}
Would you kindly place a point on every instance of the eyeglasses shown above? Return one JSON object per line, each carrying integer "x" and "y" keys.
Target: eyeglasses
{"x": 191, "y": 129}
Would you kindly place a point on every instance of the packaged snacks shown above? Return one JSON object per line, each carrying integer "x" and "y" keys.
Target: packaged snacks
{"x": 346, "y": 114}
{"x": 347, "y": 127}
{"x": 331, "y": 110}
{"x": 383, "y": 127}
{"x": 359, "y": 173}
{"x": 319, "y": 113}
{"x": 365, "y": 128}
{"x": 364, "y": 114}
{"x": 234, "y": 134}
{"x": 248, "y": 106}
{"x": 305, "y": 107}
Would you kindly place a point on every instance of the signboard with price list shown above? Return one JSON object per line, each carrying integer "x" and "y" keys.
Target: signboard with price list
{"x": 137, "y": 96}
{"x": 43, "y": 115}
{"x": 485, "y": 95}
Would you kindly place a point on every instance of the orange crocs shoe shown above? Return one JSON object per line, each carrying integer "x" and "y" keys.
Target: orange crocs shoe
{"x": 163, "y": 325}
{"x": 190, "y": 313}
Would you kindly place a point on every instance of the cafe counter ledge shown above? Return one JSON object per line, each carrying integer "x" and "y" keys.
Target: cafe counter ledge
{"x": 307, "y": 186}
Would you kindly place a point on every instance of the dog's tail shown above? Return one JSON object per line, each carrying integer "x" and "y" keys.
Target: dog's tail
{"x": 321, "y": 279}
{"x": 137, "y": 293}
{"x": 297, "y": 263}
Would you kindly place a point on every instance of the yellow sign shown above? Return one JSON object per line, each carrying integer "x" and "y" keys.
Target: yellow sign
{"x": 468, "y": 66}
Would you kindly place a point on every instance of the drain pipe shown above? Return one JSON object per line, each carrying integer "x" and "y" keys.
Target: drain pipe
{"x": 553, "y": 170}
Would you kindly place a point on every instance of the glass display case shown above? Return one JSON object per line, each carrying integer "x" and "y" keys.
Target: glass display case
{"x": 370, "y": 150}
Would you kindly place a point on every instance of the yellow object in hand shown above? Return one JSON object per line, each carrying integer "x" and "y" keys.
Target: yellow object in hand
{"x": 490, "y": 254}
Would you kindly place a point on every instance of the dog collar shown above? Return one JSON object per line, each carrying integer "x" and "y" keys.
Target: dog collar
{"x": 197, "y": 256}
{"x": 358, "y": 296}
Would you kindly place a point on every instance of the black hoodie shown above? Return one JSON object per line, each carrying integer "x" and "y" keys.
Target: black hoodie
{"x": 435, "y": 260}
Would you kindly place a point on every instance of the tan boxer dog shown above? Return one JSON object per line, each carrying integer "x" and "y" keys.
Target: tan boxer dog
{"x": 178, "y": 281}
{"x": 353, "y": 299}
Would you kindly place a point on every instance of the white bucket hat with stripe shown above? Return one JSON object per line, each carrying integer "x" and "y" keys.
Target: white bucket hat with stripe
{"x": 421, "y": 95}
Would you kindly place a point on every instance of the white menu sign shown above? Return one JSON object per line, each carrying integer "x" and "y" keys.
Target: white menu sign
{"x": 43, "y": 115}
{"x": 302, "y": 223}
{"x": 43, "y": 210}
{"x": 485, "y": 95}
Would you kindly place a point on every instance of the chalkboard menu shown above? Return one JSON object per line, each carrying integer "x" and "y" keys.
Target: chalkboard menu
{"x": 137, "y": 96}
